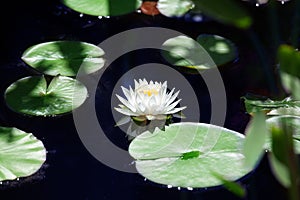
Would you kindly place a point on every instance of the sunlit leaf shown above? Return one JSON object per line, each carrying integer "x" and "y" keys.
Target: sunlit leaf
{"x": 208, "y": 51}
{"x": 291, "y": 122}
{"x": 292, "y": 84}
{"x": 103, "y": 7}
{"x": 289, "y": 60}
{"x": 21, "y": 154}
{"x": 180, "y": 156}
{"x": 173, "y": 8}
{"x": 34, "y": 96}
{"x": 256, "y": 137}
{"x": 280, "y": 171}
{"x": 221, "y": 50}
{"x": 272, "y": 107}
{"x": 64, "y": 58}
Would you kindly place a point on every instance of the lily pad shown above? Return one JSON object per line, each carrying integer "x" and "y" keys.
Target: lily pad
{"x": 64, "y": 57}
{"x": 190, "y": 155}
{"x": 172, "y": 8}
{"x": 221, "y": 50}
{"x": 21, "y": 154}
{"x": 34, "y": 96}
{"x": 209, "y": 51}
{"x": 291, "y": 122}
{"x": 103, "y": 7}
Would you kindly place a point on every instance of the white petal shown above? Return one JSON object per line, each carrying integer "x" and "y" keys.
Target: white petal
{"x": 127, "y": 94}
{"x": 170, "y": 107}
{"x": 150, "y": 117}
{"x": 136, "y": 84}
{"x": 126, "y": 103}
{"x": 176, "y": 110}
{"x": 169, "y": 95}
{"x": 172, "y": 98}
{"x": 125, "y": 112}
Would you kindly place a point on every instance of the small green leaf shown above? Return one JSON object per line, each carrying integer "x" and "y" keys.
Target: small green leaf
{"x": 292, "y": 84}
{"x": 256, "y": 137}
{"x": 189, "y": 155}
{"x": 280, "y": 171}
{"x": 64, "y": 58}
{"x": 159, "y": 155}
{"x": 272, "y": 107}
{"x": 289, "y": 60}
{"x": 103, "y": 7}
{"x": 32, "y": 96}
{"x": 21, "y": 154}
{"x": 171, "y": 8}
{"x": 226, "y": 11}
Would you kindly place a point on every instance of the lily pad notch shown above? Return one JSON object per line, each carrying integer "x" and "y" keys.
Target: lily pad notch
{"x": 34, "y": 96}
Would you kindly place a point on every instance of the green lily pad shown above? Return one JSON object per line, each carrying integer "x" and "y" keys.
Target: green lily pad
{"x": 64, "y": 57}
{"x": 291, "y": 122}
{"x": 214, "y": 51}
{"x": 103, "y": 7}
{"x": 190, "y": 155}
{"x": 33, "y": 96}
{"x": 221, "y": 50}
{"x": 171, "y": 8}
{"x": 21, "y": 154}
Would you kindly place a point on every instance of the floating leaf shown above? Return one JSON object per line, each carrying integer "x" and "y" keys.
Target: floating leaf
{"x": 207, "y": 52}
{"x": 179, "y": 156}
{"x": 256, "y": 137}
{"x": 171, "y": 8}
{"x": 21, "y": 154}
{"x": 32, "y": 96}
{"x": 221, "y": 50}
{"x": 103, "y": 7}
{"x": 227, "y": 11}
{"x": 64, "y": 57}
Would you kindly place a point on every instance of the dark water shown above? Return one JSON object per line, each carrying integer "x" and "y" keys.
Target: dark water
{"x": 70, "y": 172}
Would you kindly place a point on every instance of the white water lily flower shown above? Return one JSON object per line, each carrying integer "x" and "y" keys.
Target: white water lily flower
{"x": 149, "y": 100}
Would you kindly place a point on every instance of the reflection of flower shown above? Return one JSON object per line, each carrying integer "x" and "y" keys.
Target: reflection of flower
{"x": 149, "y": 101}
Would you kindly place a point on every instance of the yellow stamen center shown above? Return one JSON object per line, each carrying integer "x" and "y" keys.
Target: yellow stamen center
{"x": 150, "y": 92}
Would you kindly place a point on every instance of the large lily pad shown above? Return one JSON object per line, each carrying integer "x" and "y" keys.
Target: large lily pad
{"x": 21, "y": 154}
{"x": 207, "y": 52}
{"x": 103, "y": 7}
{"x": 173, "y": 8}
{"x": 64, "y": 57}
{"x": 190, "y": 155}
{"x": 291, "y": 122}
{"x": 33, "y": 96}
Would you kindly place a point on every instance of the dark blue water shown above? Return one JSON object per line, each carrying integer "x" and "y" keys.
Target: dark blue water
{"x": 70, "y": 172}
